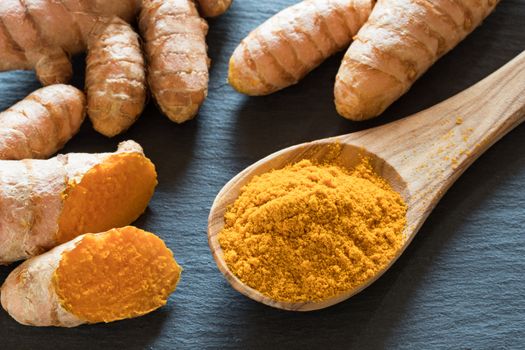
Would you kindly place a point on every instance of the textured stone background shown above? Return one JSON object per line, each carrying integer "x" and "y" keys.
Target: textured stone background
{"x": 459, "y": 285}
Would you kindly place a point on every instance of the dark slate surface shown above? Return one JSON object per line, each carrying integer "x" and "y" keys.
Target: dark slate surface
{"x": 459, "y": 285}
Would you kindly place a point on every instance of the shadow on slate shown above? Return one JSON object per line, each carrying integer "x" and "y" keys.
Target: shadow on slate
{"x": 459, "y": 284}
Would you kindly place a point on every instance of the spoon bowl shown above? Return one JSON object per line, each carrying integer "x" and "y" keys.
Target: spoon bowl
{"x": 347, "y": 156}
{"x": 420, "y": 156}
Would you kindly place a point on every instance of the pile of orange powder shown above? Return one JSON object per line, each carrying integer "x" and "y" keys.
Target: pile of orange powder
{"x": 309, "y": 231}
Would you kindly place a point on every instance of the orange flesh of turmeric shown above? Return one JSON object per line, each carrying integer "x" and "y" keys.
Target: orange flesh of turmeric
{"x": 124, "y": 273}
{"x": 111, "y": 194}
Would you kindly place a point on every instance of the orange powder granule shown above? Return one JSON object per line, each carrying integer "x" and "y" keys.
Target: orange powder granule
{"x": 111, "y": 194}
{"x": 309, "y": 232}
{"x": 118, "y": 274}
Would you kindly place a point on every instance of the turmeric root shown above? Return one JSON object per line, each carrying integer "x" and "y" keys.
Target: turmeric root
{"x": 176, "y": 52}
{"x": 289, "y": 45}
{"x": 48, "y": 202}
{"x": 42, "y": 34}
{"x": 40, "y": 125}
{"x": 213, "y": 8}
{"x": 398, "y": 43}
{"x": 115, "y": 77}
{"x": 104, "y": 277}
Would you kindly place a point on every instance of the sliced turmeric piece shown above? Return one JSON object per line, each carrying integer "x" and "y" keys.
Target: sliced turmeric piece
{"x": 48, "y": 202}
{"x": 109, "y": 276}
{"x": 111, "y": 194}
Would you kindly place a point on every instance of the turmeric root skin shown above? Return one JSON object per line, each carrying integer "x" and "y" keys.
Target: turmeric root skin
{"x": 40, "y": 125}
{"x": 46, "y": 202}
{"x": 176, "y": 52}
{"x": 115, "y": 77}
{"x": 398, "y": 43}
{"x": 32, "y": 34}
{"x": 122, "y": 273}
{"x": 213, "y": 8}
{"x": 289, "y": 45}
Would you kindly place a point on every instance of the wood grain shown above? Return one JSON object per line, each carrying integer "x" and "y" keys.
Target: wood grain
{"x": 421, "y": 156}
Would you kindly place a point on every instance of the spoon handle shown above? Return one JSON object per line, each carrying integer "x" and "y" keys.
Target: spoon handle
{"x": 432, "y": 148}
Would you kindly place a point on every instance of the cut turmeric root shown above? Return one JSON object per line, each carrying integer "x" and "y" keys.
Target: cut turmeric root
{"x": 104, "y": 277}
{"x": 48, "y": 202}
{"x": 40, "y": 124}
{"x": 285, "y": 48}
{"x": 398, "y": 43}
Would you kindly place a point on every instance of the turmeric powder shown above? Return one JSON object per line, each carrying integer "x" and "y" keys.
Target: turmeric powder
{"x": 310, "y": 231}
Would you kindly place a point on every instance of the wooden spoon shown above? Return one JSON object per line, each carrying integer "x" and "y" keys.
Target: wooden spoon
{"x": 420, "y": 156}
